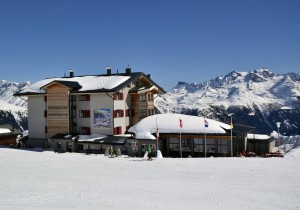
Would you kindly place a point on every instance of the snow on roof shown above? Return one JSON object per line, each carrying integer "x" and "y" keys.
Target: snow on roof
{"x": 257, "y": 136}
{"x": 91, "y": 137}
{"x": 4, "y": 130}
{"x": 86, "y": 82}
{"x": 169, "y": 123}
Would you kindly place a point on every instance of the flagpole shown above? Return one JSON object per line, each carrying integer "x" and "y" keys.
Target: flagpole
{"x": 204, "y": 139}
{"x": 157, "y": 137}
{"x": 180, "y": 125}
{"x": 180, "y": 145}
{"x": 231, "y": 143}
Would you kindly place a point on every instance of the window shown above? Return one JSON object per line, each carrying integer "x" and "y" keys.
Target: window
{"x": 222, "y": 146}
{"x": 150, "y": 112}
{"x": 85, "y": 97}
{"x": 142, "y": 97}
{"x": 73, "y": 101}
{"x": 118, "y": 96}
{"x": 118, "y": 113}
{"x": 117, "y": 130}
{"x": 142, "y": 112}
{"x": 150, "y": 97}
{"x": 210, "y": 146}
{"x": 198, "y": 145}
{"x": 84, "y": 113}
{"x": 85, "y": 130}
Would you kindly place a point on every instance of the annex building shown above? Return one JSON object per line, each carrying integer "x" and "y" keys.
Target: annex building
{"x": 178, "y": 135}
{"x": 105, "y": 104}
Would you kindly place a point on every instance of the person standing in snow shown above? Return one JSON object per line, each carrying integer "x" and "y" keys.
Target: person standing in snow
{"x": 149, "y": 150}
{"x": 243, "y": 153}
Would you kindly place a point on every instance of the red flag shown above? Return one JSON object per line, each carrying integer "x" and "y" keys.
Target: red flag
{"x": 180, "y": 123}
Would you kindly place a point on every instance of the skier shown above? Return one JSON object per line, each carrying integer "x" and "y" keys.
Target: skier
{"x": 149, "y": 152}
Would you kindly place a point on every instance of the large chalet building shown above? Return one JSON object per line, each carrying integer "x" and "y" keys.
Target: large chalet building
{"x": 105, "y": 104}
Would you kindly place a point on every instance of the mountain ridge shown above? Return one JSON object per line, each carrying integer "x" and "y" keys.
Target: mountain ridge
{"x": 256, "y": 97}
{"x": 13, "y": 110}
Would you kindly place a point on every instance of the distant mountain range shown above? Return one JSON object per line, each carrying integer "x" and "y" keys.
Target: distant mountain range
{"x": 257, "y": 98}
{"x": 13, "y": 110}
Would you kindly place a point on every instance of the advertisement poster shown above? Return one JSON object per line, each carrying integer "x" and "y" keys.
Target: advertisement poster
{"x": 102, "y": 118}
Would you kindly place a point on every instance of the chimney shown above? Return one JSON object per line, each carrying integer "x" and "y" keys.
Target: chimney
{"x": 149, "y": 75}
{"x": 71, "y": 73}
{"x": 128, "y": 70}
{"x": 108, "y": 70}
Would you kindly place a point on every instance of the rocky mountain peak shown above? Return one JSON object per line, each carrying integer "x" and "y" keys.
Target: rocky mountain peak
{"x": 257, "y": 96}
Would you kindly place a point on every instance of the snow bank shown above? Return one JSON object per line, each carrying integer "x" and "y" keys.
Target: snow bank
{"x": 293, "y": 154}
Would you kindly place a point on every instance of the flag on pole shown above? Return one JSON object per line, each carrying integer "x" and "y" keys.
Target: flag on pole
{"x": 231, "y": 123}
{"x": 205, "y": 123}
{"x": 180, "y": 123}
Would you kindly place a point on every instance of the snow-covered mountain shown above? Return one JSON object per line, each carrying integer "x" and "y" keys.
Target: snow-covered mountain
{"x": 13, "y": 110}
{"x": 258, "y": 98}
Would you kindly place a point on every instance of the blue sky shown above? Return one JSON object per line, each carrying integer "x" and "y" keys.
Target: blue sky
{"x": 173, "y": 40}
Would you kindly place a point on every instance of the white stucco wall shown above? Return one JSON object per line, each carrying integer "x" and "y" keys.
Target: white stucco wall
{"x": 36, "y": 119}
{"x": 123, "y": 105}
{"x": 101, "y": 101}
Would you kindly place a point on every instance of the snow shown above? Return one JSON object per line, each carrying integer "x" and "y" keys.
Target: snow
{"x": 260, "y": 87}
{"x": 48, "y": 180}
{"x": 258, "y": 136}
{"x": 4, "y": 130}
{"x": 87, "y": 83}
{"x": 91, "y": 137}
{"x": 293, "y": 154}
{"x": 169, "y": 123}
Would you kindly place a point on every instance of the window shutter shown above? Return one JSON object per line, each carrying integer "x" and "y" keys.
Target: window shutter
{"x": 121, "y": 96}
{"x": 114, "y": 96}
{"x": 88, "y": 131}
{"x": 45, "y": 113}
{"x": 46, "y": 129}
{"x": 127, "y": 112}
{"x": 88, "y": 97}
{"x": 115, "y": 113}
{"x": 88, "y": 113}
{"x": 115, "y": 131}
{"x": 120, "y": 130}
{"x": 122, "y": 113}
{"x": 45, "y": 98}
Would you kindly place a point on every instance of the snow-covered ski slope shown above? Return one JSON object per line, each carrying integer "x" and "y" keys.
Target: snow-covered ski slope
{"x": 47, "y": 180}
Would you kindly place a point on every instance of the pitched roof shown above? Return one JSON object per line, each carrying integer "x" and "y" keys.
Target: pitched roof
{"x": 69, "y": 84}
{"x": 88, "y": 84}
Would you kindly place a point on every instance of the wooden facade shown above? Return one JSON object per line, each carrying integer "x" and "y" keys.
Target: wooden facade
{"x": 57, "y": 109}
